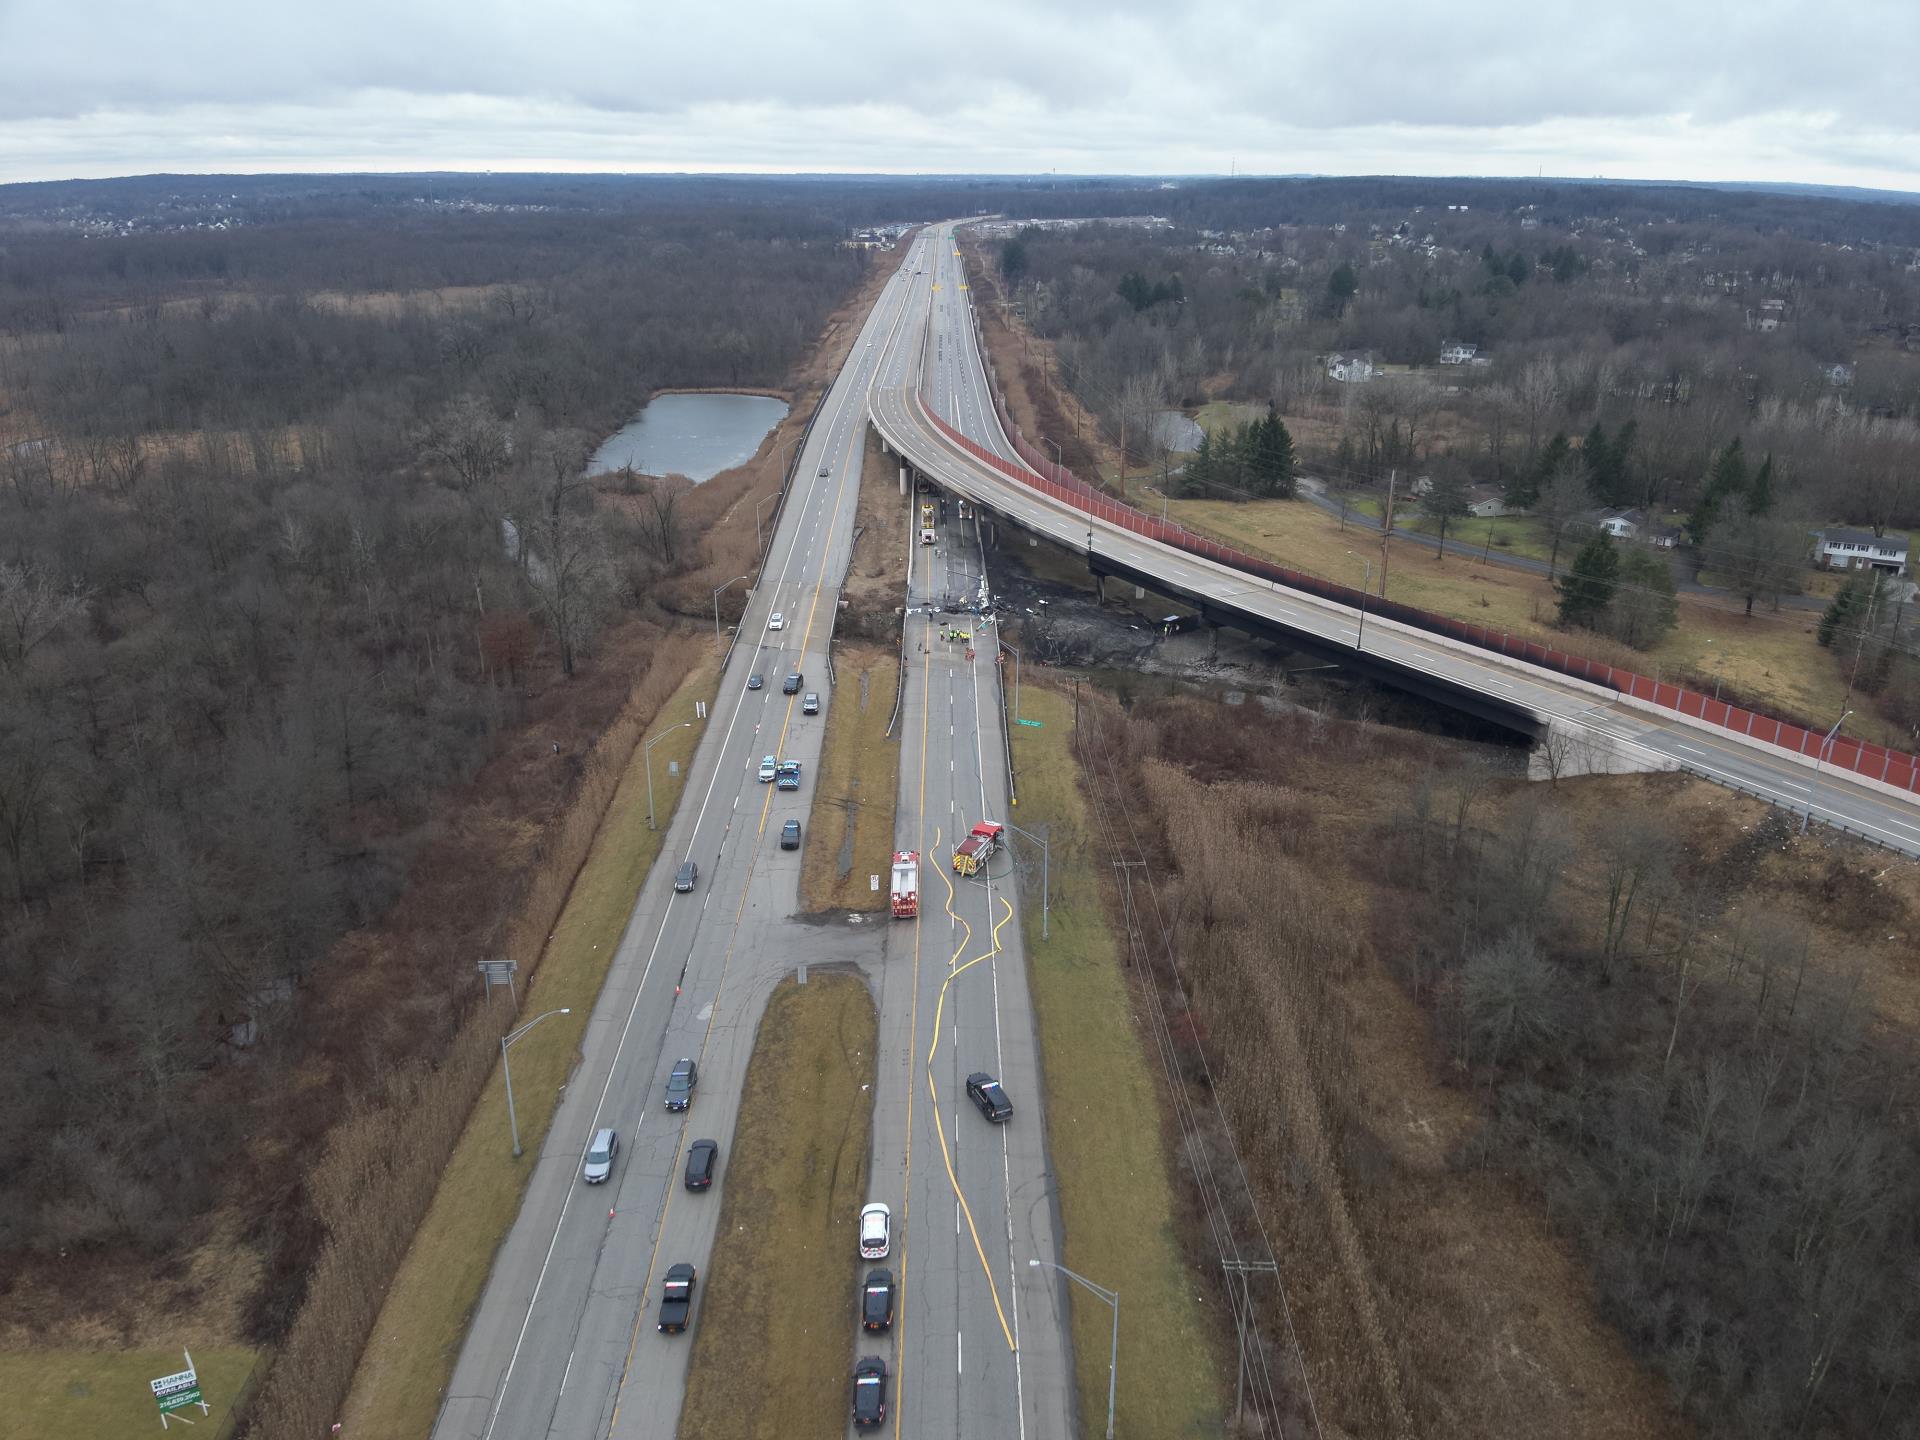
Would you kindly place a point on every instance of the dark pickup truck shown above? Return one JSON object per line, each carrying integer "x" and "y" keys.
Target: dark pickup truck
{"x": 676, "y": 1301}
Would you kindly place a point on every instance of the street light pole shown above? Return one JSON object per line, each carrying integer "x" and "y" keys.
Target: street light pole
{"x": 716, "y": 601}
{"x": 1112, "y": 1297}
{"x": 1058, "y": 463}
{"x": 1016, "y": 676}
{"x": 757, "y": 538}
{"x": 647, "y": 755}
{"x": 513, "y": 1121}
{"x": 1046, "y": 852}
{"x": 1365, "y": 586}
{"x": 1814, "y": 784}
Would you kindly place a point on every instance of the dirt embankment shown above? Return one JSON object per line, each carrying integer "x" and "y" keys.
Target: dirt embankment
{"x": 1464, "y": 1028}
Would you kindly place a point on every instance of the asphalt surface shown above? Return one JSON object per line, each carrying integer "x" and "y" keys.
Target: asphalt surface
{"x": 1622, "y": 733}
{"x": 563, "y": 1341}
{"x": 981, "y": 1346}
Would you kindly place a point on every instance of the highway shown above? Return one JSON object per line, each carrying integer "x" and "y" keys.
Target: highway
{"x": 563, "y": 1342}
{"x": 1609, "y": 731}
{"x": 981, "y": 1347}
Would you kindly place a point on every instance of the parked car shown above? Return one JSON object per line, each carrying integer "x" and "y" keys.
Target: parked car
{"x": 681, "y": 1083}
{"x": 985, "y": 1092}
{"x": 876, "y": 1300}
{"x": 876, "y": 1231}
{"x": 769, "y": 767}
{"x": 811, "y": 704}
{"x": 754, "y": 682}
{"x": 776, "y": 621}
{"x": 676, "y": 1297}
{"x": 791, "y": 685}
{"x": 686, "y": 877}
{"x": 790, "y": 835}
{"x": 869, "y": 1392}
{"x": 600, "y": 1152}
{"x": 703, "y": 1162}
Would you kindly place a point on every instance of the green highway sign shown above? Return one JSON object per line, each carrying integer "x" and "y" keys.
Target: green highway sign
{"x": 178, "y": 1400}
{"x": 1034, "y": 723}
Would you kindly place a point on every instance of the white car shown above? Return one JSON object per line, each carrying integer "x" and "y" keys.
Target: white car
{"x": 769, "y": 767}
{"x": 776, "y": 621}
{"x": 876, "y": 1228}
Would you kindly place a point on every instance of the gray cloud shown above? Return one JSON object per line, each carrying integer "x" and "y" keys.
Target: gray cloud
{"x": 1758, "y": 90}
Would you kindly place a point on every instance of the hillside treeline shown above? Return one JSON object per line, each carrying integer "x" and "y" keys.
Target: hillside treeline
{"x": 1791, "y": 336}
{"x": 258, "y": 608}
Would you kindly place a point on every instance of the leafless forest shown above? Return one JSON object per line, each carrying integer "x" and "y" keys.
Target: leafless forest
{"x": 258, "y": 610}
{"x": 1505, "y": 1059}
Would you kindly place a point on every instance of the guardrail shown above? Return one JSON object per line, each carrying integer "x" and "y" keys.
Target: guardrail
{"x": 1894, "y": 768}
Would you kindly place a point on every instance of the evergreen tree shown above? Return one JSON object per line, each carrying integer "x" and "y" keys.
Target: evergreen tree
{"x": 1445, "y": 501}
{"x": 1760, "y": 491}
{"x": 1644, "y": 606}
{"x": 1587, "y": 588}
{"x": 1525, "y": 489}
{"x": 1342, "y": 285}
{"x": 1198, "y": 476}
{"x": 1518, "y": 269}
{"x": 1595, "y": 455}
{"x": 1727, "y": 478}
{"x": 1272, "y": 460}
{"x": 1845, "y": 608}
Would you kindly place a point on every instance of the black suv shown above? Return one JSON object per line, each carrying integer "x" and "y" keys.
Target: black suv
{"x": 791, "y": 685}
{"x": 681, "y": 1082}
{"x": 870, "y": 1392}
{"x": 876, "y": 1300}
{"x": 985, "y": 1092}
{"x": 703, "y": 1159}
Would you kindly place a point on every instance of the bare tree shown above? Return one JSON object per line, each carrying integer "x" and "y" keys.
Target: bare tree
{"x": 1537, "y": 392}
{"x": 32, "y": 608}
{"x": 1513, "y": 1002}
{"x": 1563, "y": 499}
{"x": 569, "y": 572}
{"x": 469, "y": 439}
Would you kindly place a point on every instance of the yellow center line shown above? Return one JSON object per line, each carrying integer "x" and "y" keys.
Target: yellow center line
{"x": 933, "y": 1093}
{"x": 726, "y": 963}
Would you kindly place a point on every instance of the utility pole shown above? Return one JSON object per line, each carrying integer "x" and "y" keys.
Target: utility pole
{"x": 1386, "y": 529}
{"x": 1126, "y": 869}
{"x": 1365, "y": 585}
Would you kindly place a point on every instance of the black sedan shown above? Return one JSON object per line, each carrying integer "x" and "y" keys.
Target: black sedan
{"x": 876, "y": 1300}
{"x": 703, "y": 1160}
{"x": 869, "y": 1392}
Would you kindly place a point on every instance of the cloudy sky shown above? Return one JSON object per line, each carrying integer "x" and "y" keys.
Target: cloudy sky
{"x": 1688, "y": 89}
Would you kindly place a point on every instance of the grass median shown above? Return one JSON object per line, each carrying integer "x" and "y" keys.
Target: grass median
{"x": 1112, "y": 1167}
{"x": 850, "y": 835}
{"x": 410, "y": 1358}
{"x": 771, "y": 1359}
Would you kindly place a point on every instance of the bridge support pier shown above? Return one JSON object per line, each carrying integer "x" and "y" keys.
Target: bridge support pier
{"x": 903, "y": 479}
{"x": 1568, "y": 750}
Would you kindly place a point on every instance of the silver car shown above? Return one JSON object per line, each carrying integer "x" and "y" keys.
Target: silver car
{"x": 606, "y": 1144}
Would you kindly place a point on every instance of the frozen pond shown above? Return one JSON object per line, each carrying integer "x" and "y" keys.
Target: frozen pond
{"x": 697, "y": 436}
{"x": 1176, "y": 431}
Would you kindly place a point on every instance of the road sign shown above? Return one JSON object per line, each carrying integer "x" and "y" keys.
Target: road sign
{"x": 1036, "y": 724}
{"x": 178, "y": 1400}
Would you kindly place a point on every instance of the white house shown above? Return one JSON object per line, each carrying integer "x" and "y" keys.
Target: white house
{"x": 1486, "y": 502}
{"x": 1839, "y": 549}
{"x": 1456, "y": 352}
{"x": 1350, "y": 369}
{"x": 1634, "y": 525}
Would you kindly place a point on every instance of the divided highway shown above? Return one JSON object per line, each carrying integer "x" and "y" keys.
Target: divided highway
{"x": 563, "y": 1341}
{"x": 1616, "y": 733}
